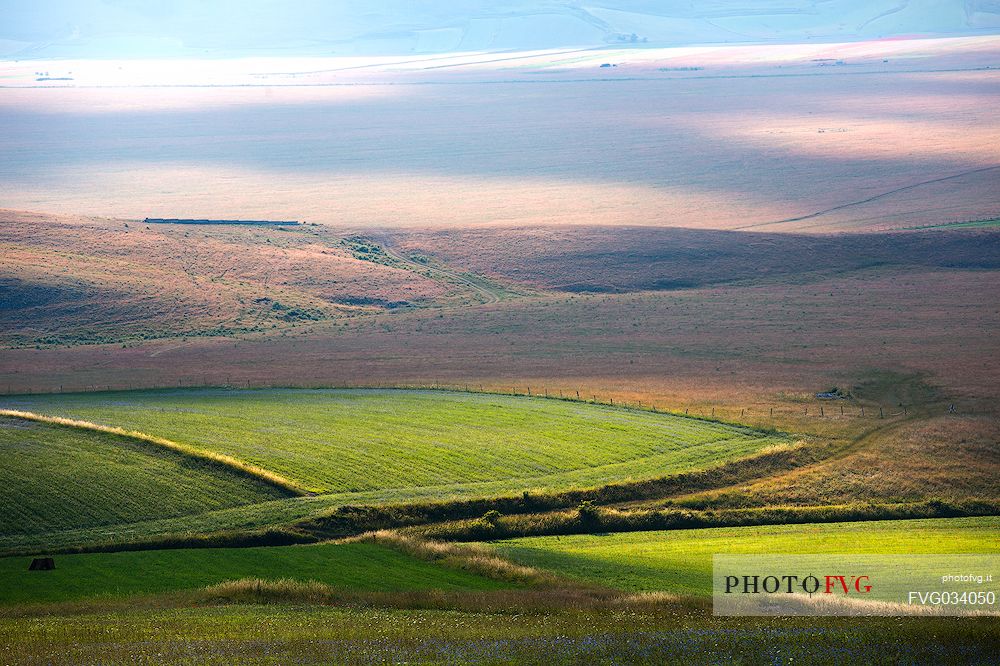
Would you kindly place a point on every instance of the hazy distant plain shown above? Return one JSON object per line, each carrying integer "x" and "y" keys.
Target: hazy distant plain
{"x": 757, "y": 135}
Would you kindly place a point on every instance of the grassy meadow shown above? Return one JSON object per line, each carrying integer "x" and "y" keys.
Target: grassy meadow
{"x": 403, "y": 599}
{"x": 346, "y": 447}
{"x": 349, "y": 441}
{"x": 680, "y": 561}
{"x": 283, "y": 634}
{"x": 362, "y": 567}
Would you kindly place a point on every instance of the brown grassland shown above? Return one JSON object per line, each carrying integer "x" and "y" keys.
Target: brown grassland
{"x": 939, "y": 457}
{"x": 794, "y": 316}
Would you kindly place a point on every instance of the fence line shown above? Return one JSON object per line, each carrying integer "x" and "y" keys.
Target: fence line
{"x": 838, "y": 408}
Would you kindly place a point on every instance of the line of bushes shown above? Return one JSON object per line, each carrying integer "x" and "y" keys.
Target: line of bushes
{"x": 585, "y": 519}
{"x": 590, "y": 519}
{"x": 473, "y": 558}
{"x": 350, "y": 520}
{"x": 272, "y": 536}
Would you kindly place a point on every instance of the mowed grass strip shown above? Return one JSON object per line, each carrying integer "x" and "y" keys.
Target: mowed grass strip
{"x": 363, "y": 440}
{"x": 354, "y": 566}
{"x": 55, "y": 478}
{"x": 680, "y": 561}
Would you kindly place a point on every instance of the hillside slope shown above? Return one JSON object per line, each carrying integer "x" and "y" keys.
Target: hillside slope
{"x": 59, "y": 478}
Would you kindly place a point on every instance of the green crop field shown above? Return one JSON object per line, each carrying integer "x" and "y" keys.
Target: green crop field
{"x": 357, "y": 566}
{"x": 55, "y": 478}
{"x": 346, "y": 441}
{"x": 680, "y": 561}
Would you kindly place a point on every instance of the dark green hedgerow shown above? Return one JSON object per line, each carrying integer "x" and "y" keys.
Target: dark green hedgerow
{"x": 347, "y": 521}
{"x": 275, "y": 536}
{"x": 586, "y": 519}
{"x": 589, "y": 519}
{"x": 351, "y": 520}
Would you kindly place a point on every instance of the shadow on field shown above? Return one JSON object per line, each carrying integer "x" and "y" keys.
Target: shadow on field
{"x": 627, "y": 259}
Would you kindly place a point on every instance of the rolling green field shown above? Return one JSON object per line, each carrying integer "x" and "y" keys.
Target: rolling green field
{"x": 346, "y": 441}
{"x": 680, "y": 561}
{"x": 56, "y": 478}
{"x": 68, "y": 486}
{"x": 355, "y": 566}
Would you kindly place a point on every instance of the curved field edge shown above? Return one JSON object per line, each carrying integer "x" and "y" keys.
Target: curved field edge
{"x": 362, "y": 440}
{"x": 227, "y": 462}
{"x": 58, "y": 478}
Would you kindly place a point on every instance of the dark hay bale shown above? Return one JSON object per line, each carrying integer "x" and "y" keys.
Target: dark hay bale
{"x": 42, "y": 564}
